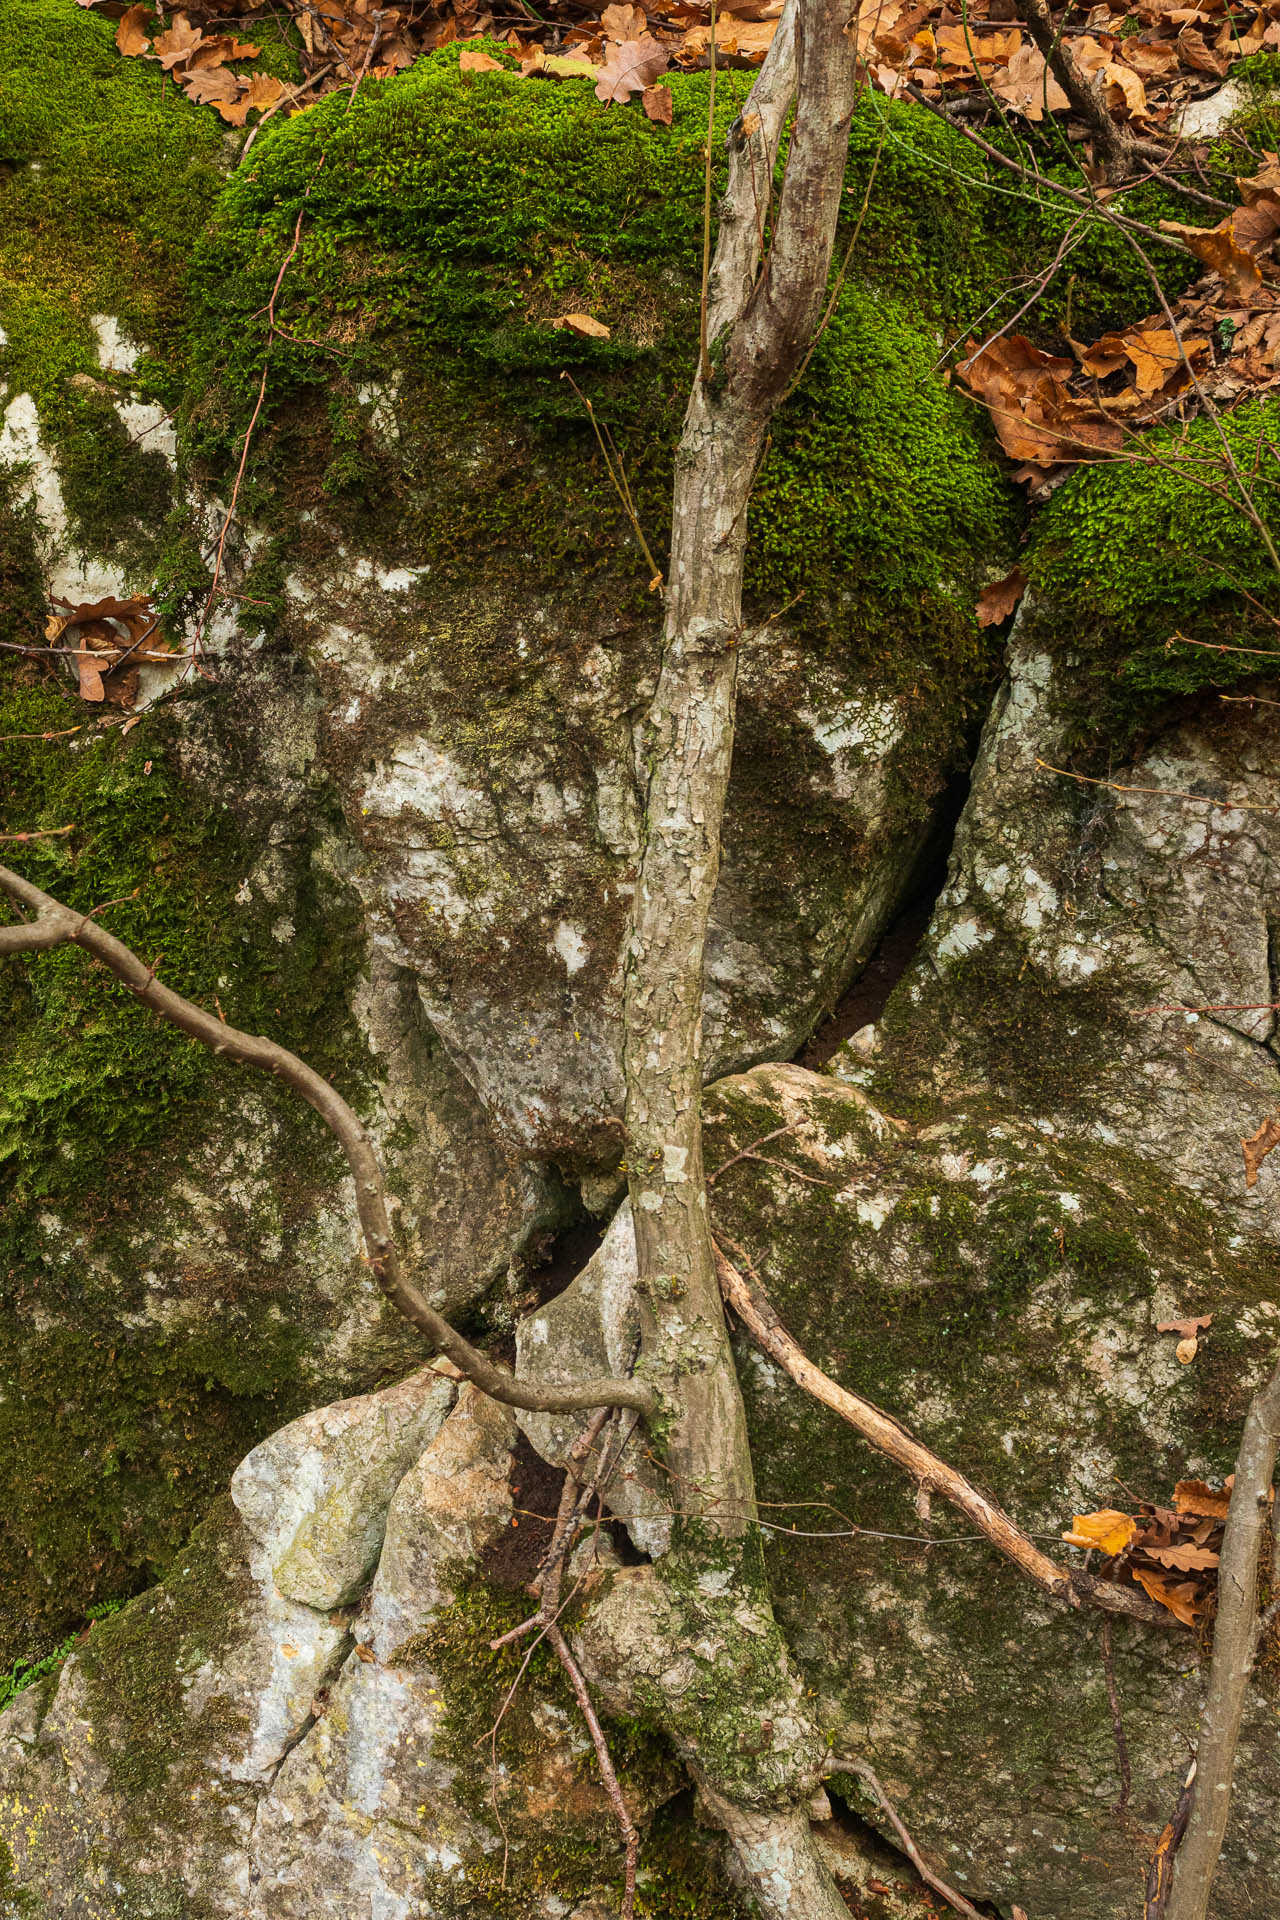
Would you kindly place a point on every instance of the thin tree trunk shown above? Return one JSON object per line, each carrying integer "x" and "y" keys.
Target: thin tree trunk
{"x": 761, "y": 316}
{"x": 761, "y": 319}
{"x": 1235, "y": 1642}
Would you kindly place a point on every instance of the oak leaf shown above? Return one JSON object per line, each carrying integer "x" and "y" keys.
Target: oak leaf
{"x": 1028, "y": 87}
{"x": 262, "y": 92}
{"x": 656, "y": 102}
{"x": 1124, "y": 88}
{"x": 476, "y": 60}
{"x": 176, "y": 46}
{"x": 631, "y": 67}
{"x": 1216, "y": 246}
{"x": 212, "y": 86}
{"x": 1188, "y": 1329}
{"x": 1185, "y": 1557}
{"x": 1181, "y": 1600}
{"x": 997, "y": 601}
{"x": 1258, "y": 1146}
{"x": 131, "y": 40}
{"x": 567, "y": 66}
{"x": 1110, "y": 1532}
{"x": 624, "y": 23}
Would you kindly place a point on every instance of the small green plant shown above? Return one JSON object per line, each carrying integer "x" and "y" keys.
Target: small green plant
{"x": 24, "y": 1673}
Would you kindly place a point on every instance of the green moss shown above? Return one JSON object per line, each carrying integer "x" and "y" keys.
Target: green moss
{"x": 106, "y": 174}
{"x": 1128, "y": 556}
{"x": 123, "y": 1405}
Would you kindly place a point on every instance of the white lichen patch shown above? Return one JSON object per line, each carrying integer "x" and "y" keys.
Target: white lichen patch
{"x": 117, "y": 353}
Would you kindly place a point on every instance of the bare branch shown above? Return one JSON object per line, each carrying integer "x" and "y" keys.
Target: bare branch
{"x": 56, "y": 924}
{"x": 889, "y": 1437}
{"x": 1235, "y": 1642}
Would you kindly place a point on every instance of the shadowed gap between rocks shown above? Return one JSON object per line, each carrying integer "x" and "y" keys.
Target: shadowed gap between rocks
{"x": 864, "y": 999}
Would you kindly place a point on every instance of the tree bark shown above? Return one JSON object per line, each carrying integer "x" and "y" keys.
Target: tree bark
{"x": 1235, "y": 1642}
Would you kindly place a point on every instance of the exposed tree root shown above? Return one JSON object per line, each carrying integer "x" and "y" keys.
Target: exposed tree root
{"x": 749, "y": 1302}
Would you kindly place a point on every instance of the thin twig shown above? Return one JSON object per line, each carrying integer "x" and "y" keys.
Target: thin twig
{"x": 1235, "y": 1646}
{"x": 57, "y": 925}
{"x": 620, "y": 485}
{"x": 45, "y": 833}
{"x": 763, "y": 1141}
{"x": 841, "y": 1763}
{"x": 1161, "y": 793}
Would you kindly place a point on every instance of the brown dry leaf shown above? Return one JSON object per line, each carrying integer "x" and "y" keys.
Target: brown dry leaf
{"x": 213, "y": 86}
{"x": 1027, "y": 86}
{"x": 1188, "y": 1329}
{"x": 1216, "y": 247}
{"x": 1258, "y": 1146}
{"x": 656, "y": 102}
{"x": 90, "y": 687}
{"x": 171, "y": 49}
{"x": 1253, "y": 226}
{"x": 583, "y": 325}
{"x": 1124, "y": 88}
{"x": 262, "y": 92}
{"x": 1157, "y": 357}
{"x": 1194, "y": 50}
{"x": 1104, "y": 357}
{"x": 1180, "y": 1599}
{"x": 624, "y": 23}
{"x": 1110, "y": 1532}
{"x": 1037, "y": 420}
{"x": 631, "y": 67}
{"x": 1153, "y": 59}
{"x": 1184, "y": 1557}
{"x": 1193, "y": 1496}
{"x": 1186, "y": 1351}
{"x": 997, "y": 601}
{"x": 476, "y": 60}
{"x": 1265, "y": 181}
{"x": 130, "y": 37}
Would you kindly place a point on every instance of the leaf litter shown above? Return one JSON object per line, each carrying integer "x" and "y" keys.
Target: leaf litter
{"x": 1171, "y": 1552}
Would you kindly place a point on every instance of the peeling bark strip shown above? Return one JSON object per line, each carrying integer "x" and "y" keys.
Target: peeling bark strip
{"x": 926, "y": 1468}
{"x": 55, "y": 925}
{"x": 1235, "y": 1643}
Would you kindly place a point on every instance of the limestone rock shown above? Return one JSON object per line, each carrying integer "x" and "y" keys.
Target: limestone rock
{"x": 314, "y": 1497}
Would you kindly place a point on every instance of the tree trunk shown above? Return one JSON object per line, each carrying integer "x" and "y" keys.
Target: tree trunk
{"x": 761, "y": 317}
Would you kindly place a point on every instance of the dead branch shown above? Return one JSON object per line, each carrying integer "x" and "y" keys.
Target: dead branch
{"x": 1115, "y": 147}
{"x": 891, "y": 1438}
{"x": 1235, "y": 1643}
{"x": 57, "y": 925}
{"x": 840, "y": 1763}
{"x": 574, "y": 1500}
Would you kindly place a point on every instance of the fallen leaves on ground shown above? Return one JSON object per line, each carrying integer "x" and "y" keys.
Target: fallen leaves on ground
{"x": 1148, "y": 60}
{"x": 1051, "y": 412}
{"x": 1171, "y": 1552}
